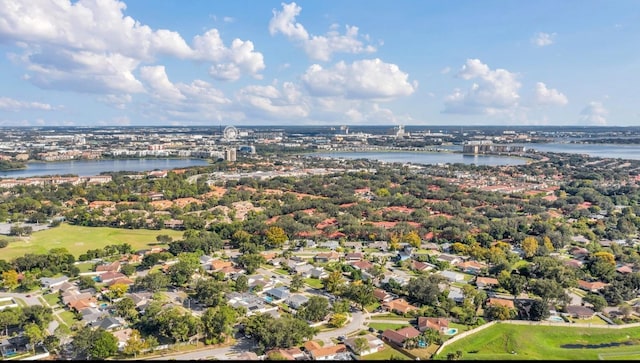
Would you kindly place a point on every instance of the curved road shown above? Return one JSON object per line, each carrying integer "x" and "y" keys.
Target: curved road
{"x": 243, "y": 345}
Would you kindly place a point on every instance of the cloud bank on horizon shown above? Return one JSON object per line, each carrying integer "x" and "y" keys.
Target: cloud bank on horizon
{"x": 110, "y": 62}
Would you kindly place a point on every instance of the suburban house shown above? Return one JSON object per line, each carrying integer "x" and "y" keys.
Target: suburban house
{"x": 399, "y": 305}
{"x": 52, "y": 283}
{"x": 123, "y": 280}
{"x": 578, "y": 252}
{"x": 304, "y": 270}
{"x": 217, "y": 265}
{"x": 289, "y": 354}
{"x": 580, "y": 312}
{"x": 294, "y": 301}
{"x": 380, "y": 245}
{"x": 111, "y": 276}
{"x": 334, "y": 352}
{"x": 278, "y": 293}
{"x": 354, "y": 256}
{"x": 90, "y": 315}
{"x": 327, "y": 257}
{"x": 318, "y": 273}
{"x": 483, "y": 282}
{"x": 472, "y": 267}
{"x": 122, "y": 336}
{"x": 362, "y": 265}
{"x": 375, "y": 344}
{"x": 205, "y": 262}
{"x": 382, "y": 295}
{"x": 591, "y": 286}
{"x": 624, "y": 269}
{"x": 444, "y": 257}
{"x": 455, "y": 294}
{"x": 109, "y": 323}
{"x": 421, "y": 266}
{"x": 501, "y": 302}
{"x": 252, "y": 303}
{"x": 438, "y": 324}
{"x": 112, "y": 267}
{"x": 329, "y": 244}
{"x": 452, "y": 276}
{"x": 398, "y": 337}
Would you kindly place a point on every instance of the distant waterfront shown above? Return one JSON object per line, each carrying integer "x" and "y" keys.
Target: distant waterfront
{"x": 426, "y": 157}
{"x": 95, "y": 167}
{"x": 622, "y": 151}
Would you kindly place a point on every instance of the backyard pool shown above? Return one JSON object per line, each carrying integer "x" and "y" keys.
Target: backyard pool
{"x": 268, "y": 299}
{"x": 555, "y": 318}
{"x": 451, "y": 331}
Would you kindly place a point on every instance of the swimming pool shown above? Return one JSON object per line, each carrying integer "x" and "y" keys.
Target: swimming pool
{"x": 555, "y": 318}
{"x": 451, "y": 331}
{"x": 268, "y": 299}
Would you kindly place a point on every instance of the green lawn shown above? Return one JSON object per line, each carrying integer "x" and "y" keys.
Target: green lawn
{"x": 281, "y": 271}
{"x": 85, "y": 267}
{"x": 52, "y": 299}
{"x": 315, "y": 283}
{"x": 517, "y": 342}
{"x": 387, "y": 354}
{"x": 68, "y": 317}
{"x": 79, "y": 239}
{"x": 385, "y": 326}
{"x": 388, "y": 316}
{"x": 372, "y": 307}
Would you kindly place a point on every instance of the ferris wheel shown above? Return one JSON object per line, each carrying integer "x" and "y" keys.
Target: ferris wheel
{"x": 230, "y": 133}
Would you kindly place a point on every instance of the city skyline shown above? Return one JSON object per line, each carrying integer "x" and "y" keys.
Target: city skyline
{"x": 86, "y": 63}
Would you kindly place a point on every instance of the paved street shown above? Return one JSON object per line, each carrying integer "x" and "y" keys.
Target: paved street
{"x": 31, "y": 300}
{"x": 224, "y": 353}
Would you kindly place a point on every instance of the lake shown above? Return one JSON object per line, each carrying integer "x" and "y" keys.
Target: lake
{"x": 622, "y": 151}
{"x": 95, "y": 167}
{"x": 425, "y": 157}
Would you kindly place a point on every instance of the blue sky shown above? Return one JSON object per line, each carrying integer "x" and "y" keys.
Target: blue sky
{"x": 356, "y": 62}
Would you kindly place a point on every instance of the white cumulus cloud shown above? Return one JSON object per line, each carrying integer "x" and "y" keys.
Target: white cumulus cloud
{"x": 364, "y": 79}
{"x": 493, "y": 91}
{"x": 92, "y": 46}
{"x": 10, "y": 104}
{"x": 549, "y": 96}
{"x": 594, "y": 114}
{"x": 317, "y": 47}
{"x": 543, "y": 39}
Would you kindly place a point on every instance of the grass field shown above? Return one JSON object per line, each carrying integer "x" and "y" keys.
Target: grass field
{"x": 77, "y": 239}
{"x": 519, "y": 342}
{"x": 68, "y": 317}
{"x": 52, "y": 299}
{"x": 315, "y": 283}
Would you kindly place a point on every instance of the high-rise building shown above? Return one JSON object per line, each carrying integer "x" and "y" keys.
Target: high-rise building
{"x": 230, "y": 154}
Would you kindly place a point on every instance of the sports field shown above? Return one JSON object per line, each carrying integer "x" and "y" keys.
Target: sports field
{"x": 517, "y": 342}
{"x": 79, "y": 239}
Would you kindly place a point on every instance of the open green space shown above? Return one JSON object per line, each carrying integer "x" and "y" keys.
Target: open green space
{"x": 518, "y": 342}
{"x": 68, "y": 317}
{"x": 372, "y": 307}
{"x": 78, "y": 239}
{"x": 52, "y": 299}
{"x": 315, "y": 283}
{"x": 385, "y": 326}
{"x": 85, "y": 266}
